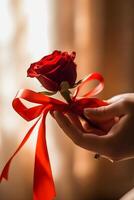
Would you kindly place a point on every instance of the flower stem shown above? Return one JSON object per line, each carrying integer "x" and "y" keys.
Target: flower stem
{"x": 66, "y": 95}
{"x": 64, "y": 91}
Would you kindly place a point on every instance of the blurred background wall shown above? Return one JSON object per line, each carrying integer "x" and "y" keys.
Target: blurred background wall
{"x": 102, "y": 34}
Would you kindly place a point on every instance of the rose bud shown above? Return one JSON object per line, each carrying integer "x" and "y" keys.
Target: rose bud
{"x": 53, "y": 69}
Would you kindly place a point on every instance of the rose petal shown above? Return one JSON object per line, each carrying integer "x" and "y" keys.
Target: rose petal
{"x": 31, "y": 72}
{"x": 48, "y": 83}
{"x": 68, "y": 73}
{"x": 47, "y": 66}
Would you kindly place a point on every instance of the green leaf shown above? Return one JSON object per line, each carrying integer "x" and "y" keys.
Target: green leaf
{"x": 48, "y": 93}
{"x": 76, "y": 84}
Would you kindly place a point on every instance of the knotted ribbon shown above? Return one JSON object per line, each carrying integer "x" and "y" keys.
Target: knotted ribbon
{"x": 43, "y": 186}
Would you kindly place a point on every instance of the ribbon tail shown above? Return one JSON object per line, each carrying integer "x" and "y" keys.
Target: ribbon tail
{"x": 5, "y": 170}
{"x": 43, "y": 180}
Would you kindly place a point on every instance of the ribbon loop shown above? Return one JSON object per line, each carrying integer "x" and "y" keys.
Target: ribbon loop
{"x": 27, "y": 113}
{"x": 37, "y": 97}
{"x": 33, "y": 97}
{"x": 94, "y": 91}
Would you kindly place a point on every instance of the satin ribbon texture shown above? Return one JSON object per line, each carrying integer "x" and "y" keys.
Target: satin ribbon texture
{"x": 43, "y": 184}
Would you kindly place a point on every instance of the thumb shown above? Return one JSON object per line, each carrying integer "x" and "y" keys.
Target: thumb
{"x": 106, "y": 112}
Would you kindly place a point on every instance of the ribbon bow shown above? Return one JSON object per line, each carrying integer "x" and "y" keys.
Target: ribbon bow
{"x": 43, "y": 187}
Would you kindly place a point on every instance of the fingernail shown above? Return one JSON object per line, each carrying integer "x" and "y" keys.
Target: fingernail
{"x": 53, "y": 113}
{"x": 56, "y": 113}
{"x": 85, "y": 112}
{"x": 88, "y": 111}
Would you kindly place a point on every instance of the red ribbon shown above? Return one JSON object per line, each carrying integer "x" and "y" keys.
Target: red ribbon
{"x": 43, "y": 187}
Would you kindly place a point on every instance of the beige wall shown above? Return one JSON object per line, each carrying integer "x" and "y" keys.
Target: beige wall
{"x": 102, "y": 34}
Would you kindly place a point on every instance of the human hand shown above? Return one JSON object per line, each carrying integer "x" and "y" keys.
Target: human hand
{"x": 118, "y": 142}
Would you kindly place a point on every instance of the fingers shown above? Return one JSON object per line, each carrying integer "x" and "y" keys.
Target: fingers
{"x": 91, "y": 142}
{"x": 84, "y": 124}
{"x": 67, "y": 126}
{"x": 75, "y": 119}
{"x": 119, "y": 97}
{"x": 107, "y": 112}
{"x": 114, "y": 99}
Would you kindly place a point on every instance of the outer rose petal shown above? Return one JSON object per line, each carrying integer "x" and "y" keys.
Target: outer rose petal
{"x": 66, "y": 72}
{"x": 31, "y": 71}
{"x": 55, "y": 74}
{"x": 48, "y": 83}
{"x": 52, "y": 69}
{"x": 51, "y": 56}
{"x": 69, "y": 73}
{"x": 47, "y": 66}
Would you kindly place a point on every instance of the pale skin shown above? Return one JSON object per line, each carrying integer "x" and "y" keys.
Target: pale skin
{"x": 115, "y": 144}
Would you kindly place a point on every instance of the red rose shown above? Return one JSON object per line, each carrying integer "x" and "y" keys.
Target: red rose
{"x": 51, "y": 70}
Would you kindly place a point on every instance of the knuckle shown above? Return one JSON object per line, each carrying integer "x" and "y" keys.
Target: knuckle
{"x": 104, "y": 109}
{"x": 126, "y": 104}
{"x": 100, "y": 111}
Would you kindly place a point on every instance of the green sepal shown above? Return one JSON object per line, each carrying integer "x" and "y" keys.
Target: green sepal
{"x": 64, "y": 86}
{"x": 76, "y": 84}
{"x": 48, "y": 93}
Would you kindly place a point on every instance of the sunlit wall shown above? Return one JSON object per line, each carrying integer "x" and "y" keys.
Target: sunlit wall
{"x": 102, "y": 34}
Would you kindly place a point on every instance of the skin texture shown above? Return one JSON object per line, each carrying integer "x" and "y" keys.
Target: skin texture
{"x": 115, "y": 144}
